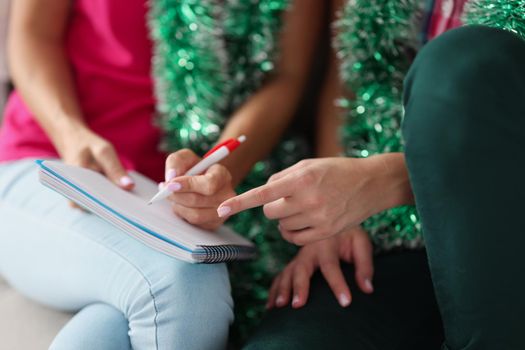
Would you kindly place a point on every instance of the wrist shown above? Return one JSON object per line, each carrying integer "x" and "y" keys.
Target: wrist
{"x": 393, "y": 177}
{"x": 69, "y": 130}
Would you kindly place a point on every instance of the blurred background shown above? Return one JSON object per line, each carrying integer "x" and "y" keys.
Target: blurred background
{"x": 4, "y": 77}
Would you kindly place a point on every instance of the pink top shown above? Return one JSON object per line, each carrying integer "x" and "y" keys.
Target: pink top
{"x": 446, "y": 15}
{"x": 110, "y": 53}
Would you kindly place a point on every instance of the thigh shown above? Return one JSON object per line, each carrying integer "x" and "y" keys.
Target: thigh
{"x": 67, "y": 258}
{"x": 400, "y": 314}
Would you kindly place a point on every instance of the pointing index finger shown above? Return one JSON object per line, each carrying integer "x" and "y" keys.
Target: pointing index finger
{"x": 256, "y": 197}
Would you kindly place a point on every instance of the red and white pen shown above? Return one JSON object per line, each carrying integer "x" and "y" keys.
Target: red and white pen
{"x": 214, "y": 156}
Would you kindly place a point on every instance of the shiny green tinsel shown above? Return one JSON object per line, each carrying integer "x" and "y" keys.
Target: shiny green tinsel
{"x": 376, "y": 44}
{"x": 504, "y": 14}
{"x": 209, "y": 57}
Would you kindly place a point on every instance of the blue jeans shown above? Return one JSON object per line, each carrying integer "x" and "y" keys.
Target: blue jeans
{"x": 127, "y": 295}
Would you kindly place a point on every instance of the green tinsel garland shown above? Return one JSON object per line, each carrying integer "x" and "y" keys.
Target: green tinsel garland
{"x": 504, "y": 14}
{"x": 376, "y": 43}
{"x": 210, "y": 56}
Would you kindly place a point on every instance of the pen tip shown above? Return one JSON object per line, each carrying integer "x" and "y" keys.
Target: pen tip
{"x": 242, "y": 138}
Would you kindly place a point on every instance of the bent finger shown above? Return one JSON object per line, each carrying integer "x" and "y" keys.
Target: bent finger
{"x": 178, "y": 163}
{"x": 111, "y": 166}
{"x": 208, "y": 184}
{"x": 204, "y": 218}
{"x": 280, "y": 209}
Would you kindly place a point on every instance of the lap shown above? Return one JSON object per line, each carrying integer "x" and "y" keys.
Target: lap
{"x": 400, "y": 314}
{"x": 68, "y": 259}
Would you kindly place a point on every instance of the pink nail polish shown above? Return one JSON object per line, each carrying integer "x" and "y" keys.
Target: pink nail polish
{"x": 126, "y": 181}
{"x": 369, "y": 285}
{"x": 161, "y": 185}
{"x": 279, "y": 301}
{"x": 295, "y": 300}
{"x": 170, "y": 174}
{"x": 344, "y": 300}
{"x": 223, "y": 211}
{"x": 174, "y": 186}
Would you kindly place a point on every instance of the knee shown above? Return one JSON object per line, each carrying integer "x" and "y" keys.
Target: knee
{"x": 186, "y": 302}
{"x": 458, "y": 80}
{"x": 201, "y": 292}
{"x": 464, "y": 58}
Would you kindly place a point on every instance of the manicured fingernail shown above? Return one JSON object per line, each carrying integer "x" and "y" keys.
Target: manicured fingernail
{"x": 344, "y": 300}
{"x": 170, "y": 174}
{"x": 223, "y": 211}
{"x": 295, "y": 300}
{"x": 161, "y": 185}
{"x": 279, "y": 301}
{"x": 369, "y": 285}
{"x": 174, "y": 186}
{"x": 126, "y": 181}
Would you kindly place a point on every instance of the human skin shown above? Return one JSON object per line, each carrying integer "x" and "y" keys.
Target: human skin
{"x": 262, "y": 119}
{"x": 42, "y": 75}
{"x": 319, "y": 198}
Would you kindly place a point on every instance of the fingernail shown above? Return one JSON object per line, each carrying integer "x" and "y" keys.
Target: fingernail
{"x": 161, "y": 185}
{"x": 295, "y": 300}
{"x": 223, "y": 211}
{"x": 174, "y": 186}
{"x": 279, "y": 301}
{"x": 170, "y": 174}
{"x": 344, "y": 300}
{"x": 369, "y": 285}
{"x": 126, "y": 181}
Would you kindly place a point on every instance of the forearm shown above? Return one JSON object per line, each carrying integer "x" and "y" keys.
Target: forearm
{"x": 42, "y": 75}
{"x": 263, "y": 119}
{"x": 329, "y": 119}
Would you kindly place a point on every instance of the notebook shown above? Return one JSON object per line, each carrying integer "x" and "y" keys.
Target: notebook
{"x": 154, "y": 225}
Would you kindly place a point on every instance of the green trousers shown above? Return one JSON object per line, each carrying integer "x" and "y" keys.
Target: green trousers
{"x": 465, "y": 148}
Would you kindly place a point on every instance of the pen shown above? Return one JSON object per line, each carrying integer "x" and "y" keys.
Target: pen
{"x": 214, "y": 156}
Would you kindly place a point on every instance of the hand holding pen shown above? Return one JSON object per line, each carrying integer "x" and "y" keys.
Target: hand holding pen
{"x": 201, "y": 186}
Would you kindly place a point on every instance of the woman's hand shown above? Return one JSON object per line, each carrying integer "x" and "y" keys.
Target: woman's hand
{"x": 352, "y": 246}
{"x": 82, "y": 147}
{"x": 196, "y": 198}
{"x": 319, "y": 198}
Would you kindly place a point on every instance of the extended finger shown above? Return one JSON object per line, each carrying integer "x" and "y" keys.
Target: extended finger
{"x": 257, "y": 197}
{"x": 178, "y": 163}
{"x": 362, "y": 252}
{"x": 301, "y": 285}
{"x": 272, "y": 294}
{"x": 331, "y": 270}
{"x": 284, "y": 288}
